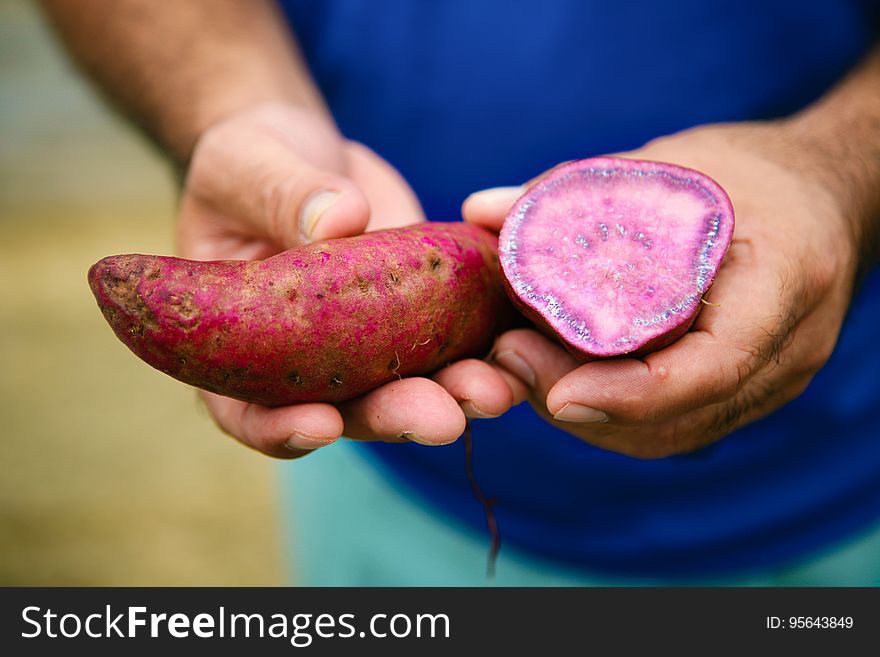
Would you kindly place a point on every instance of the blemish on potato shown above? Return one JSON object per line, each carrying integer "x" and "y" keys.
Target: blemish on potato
{"x": 183, "y": 305}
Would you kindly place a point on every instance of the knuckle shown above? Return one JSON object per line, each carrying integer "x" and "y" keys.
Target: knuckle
{"x": 635, "y": 409}
{"x": 223, "y": 426}
{"x": 800, "y": 387}
{"x": 817, "y": 358}
{"x": 677, "y": 437}
{"x": 726, "y": 378}
{"x": 736, "y": 411}
{"x": 276, "y": 197}
{"x": 727, "y": 417}
{"x": 824, "y": 270}
{"x": 513, "y": 338}
{"x": 259, "y": 432}
{"x": 648, "y": 452}
{"x": 654, "y": 445}
{"x": 222, "y": 418}
{"x": 667, "y": 440}
{"x": 654, "y": 442}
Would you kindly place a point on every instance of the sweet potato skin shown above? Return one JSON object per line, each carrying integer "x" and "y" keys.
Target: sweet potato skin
{"x": 324, "y": 322}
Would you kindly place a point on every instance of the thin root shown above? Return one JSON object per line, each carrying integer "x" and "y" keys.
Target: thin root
{"x": 491, "y": 522}
{"x": 397, "y": 367}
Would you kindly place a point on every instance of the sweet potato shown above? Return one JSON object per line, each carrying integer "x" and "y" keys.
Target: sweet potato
{"x": 615, "y": 255}
{"x": 324, "y": 322}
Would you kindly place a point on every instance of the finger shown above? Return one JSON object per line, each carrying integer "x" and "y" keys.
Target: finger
{"x": 533, "y": 359}
{"x": 263, "y": 181}
{"x": 284, "y": 432}
{"x": 690, "y": 431}
{"x": 696, "y": 371}
{"x": 414, "y": 409}
{"x": 477, "y": 387}
{"x": 489, "y": 207}
{"x": 518, "y": 389}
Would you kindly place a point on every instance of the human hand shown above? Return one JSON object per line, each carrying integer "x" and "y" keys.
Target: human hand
{"x": 776, "y": 307}
{"x": 273, "y": 178}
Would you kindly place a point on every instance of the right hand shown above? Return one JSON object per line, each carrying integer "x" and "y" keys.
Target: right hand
{"x": 781, "y": 296}
{"x": 275, "y": 177}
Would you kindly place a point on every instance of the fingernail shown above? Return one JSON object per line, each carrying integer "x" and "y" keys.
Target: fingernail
{"x": 514, "y": 363}
{"x": 416, "y": 438}
{"x": 498, "y": 195}
{"x": 313, "y": 209}
{"x": 467, "y": 406}
{"x": 297, "y": 441}
{"x": 579, "y": 413}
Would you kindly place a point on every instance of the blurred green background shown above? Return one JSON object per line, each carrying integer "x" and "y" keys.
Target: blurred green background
{"x": 112, "y": 474}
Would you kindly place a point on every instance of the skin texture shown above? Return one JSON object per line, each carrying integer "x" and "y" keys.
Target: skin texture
{"x": 613, "y": 255}
{"x": 325, "y": 322}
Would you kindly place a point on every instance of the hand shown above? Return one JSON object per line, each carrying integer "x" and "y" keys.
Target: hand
{"x": 777, "y": 306}
{"x": 276, "y": 177}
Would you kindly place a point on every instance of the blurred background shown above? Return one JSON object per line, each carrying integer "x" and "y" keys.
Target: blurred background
{"x": 112, "y": 474}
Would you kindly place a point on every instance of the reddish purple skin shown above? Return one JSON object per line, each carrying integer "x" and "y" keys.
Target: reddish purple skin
{"x": 613, "y": 256}
{"x": 324, "y": 322}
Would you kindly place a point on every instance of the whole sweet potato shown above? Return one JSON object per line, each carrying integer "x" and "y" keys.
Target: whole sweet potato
{"x": 324, "y": 322}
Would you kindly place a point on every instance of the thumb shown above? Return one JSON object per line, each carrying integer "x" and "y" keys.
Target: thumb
{"x": 253, "y": 177}
{"x": 489, "y": 207}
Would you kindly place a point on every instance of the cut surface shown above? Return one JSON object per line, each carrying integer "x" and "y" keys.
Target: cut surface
{"x": 616, "y": 254}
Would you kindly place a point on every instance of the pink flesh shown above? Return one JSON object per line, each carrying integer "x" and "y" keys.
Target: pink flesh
{"x": 614, "y": 254}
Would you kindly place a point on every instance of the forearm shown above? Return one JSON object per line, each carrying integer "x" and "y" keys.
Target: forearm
{"x": 839, "y": 142}
{"x": 178, "y": 67}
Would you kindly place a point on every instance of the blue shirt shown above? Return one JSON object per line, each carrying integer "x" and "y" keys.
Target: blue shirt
{"x": 461, "y": 95}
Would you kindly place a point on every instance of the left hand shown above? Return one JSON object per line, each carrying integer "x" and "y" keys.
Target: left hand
{"x": 778, "y": 303}
{"x": 251, "y": 192}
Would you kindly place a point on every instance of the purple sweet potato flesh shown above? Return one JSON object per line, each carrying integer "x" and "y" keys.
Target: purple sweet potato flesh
{"x": 324, "y": 322}
{"x": 615, "y": 255}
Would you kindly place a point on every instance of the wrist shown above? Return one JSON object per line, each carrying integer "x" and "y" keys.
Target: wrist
{"x": 838, "y": 145}
{"x": 827, "y": 156}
